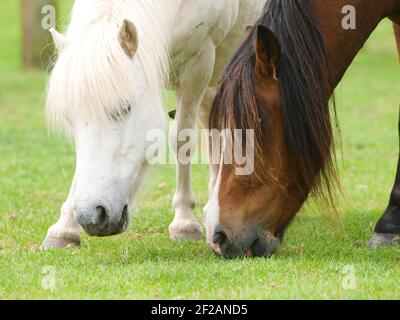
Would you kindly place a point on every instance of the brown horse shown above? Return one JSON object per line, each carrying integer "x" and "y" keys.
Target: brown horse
{"x": 279, "y": 84}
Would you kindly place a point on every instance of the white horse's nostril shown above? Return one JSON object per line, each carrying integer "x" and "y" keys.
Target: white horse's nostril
{"x": 94, "y": 220}
{"x": 125, "y": 212}
{"x": 102, "y": 217}
{"x": 124, "y": 218}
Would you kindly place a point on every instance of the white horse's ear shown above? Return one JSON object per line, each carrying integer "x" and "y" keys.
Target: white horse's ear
{"x": 128, "y": 38}
{"x": 59, "y": 39}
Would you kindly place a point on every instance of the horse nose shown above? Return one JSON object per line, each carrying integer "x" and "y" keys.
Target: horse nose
{"x": 93, "y": 220}
{"x": 220, "y": 241}
{"x": 219, "y": 237}
{"x": 247, "y": 243}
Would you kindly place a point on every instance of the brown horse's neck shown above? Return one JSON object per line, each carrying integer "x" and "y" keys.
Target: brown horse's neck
{"x": 343, "y": 45}
{"x": 397, "y": 34}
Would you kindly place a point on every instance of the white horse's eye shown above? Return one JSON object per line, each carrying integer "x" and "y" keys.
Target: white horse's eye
{"x": 122, "y": 112}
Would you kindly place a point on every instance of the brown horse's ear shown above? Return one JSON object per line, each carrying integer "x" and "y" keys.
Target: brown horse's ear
{"x": 248, "y": 31}
{"x": 268, "y": 51}
{"x": 128, "y": 38}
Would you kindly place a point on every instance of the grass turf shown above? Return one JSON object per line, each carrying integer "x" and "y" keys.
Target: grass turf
{"x": 36, "y": 169}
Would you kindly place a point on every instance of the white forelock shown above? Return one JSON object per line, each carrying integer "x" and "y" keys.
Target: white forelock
{"x": 93, "y": 74}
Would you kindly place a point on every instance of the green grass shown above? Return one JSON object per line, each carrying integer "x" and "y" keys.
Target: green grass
{"x": 36, "y": 169}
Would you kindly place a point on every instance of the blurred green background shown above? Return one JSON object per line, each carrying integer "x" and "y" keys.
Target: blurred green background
{"x": 36, "y": 170}
{"x": 11, "y": 30}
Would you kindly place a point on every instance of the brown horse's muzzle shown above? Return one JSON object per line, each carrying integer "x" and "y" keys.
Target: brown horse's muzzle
{"x": 253, "y": 243}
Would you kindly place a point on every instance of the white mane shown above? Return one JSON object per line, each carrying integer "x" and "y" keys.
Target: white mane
{"x": 93, "y": 74}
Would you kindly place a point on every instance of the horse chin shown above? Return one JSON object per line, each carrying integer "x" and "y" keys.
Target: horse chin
{"x": 263, "y": 246}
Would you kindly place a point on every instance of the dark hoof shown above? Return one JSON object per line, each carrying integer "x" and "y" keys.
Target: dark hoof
{"x": 383, "y": 240}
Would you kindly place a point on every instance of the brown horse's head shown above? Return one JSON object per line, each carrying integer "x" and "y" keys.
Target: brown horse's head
{"x": 276, "y": 85}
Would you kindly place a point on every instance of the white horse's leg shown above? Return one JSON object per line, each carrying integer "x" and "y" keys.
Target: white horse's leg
{"x": 204, "y": 116}
{"x": 193, "y": 83}
{"x": 66, "y": 232}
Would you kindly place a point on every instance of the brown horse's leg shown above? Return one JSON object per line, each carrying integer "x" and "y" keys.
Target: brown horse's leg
{"x": 387, "y": 231}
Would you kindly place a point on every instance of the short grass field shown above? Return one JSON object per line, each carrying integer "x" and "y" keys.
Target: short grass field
{"x": 320, "y": 259}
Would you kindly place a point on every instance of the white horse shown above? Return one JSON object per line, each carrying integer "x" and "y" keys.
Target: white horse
{"x": 106, "y": 90}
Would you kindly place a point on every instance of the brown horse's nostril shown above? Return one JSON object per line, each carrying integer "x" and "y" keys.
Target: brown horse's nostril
{"x": 219, "y": 237}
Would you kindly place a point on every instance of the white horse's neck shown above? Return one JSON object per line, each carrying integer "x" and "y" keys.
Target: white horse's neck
{"x": 95, "y": 68}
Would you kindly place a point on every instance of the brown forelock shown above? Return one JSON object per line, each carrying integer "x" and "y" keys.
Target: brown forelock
{"x": 305, "y": 90}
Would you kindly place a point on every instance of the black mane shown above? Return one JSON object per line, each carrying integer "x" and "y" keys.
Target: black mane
{"x": 305, "y": 91}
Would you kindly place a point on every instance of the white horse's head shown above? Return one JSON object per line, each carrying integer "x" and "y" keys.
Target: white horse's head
{"x": 102, "y": 92}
